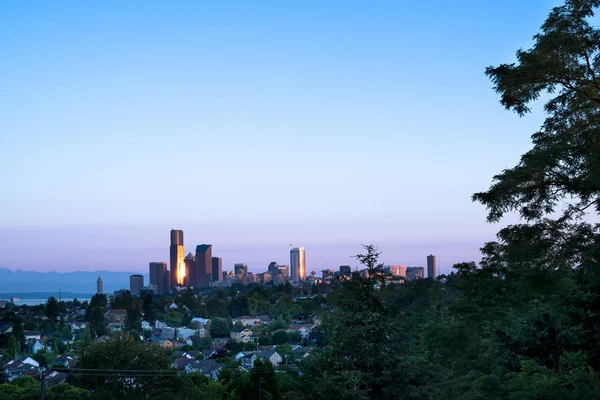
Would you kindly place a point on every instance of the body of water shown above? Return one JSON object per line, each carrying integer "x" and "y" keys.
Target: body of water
{"x": 33, "y": 299}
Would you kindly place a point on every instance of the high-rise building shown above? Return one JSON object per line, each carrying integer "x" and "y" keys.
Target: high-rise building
{"x": 276, "y": 269}
{"x": 201, "y": 275}
{"x": 397, "y": 270}
{"x": 136, "y": 283}
{"x": 414, "y": 272}
{"x": 217, "y": 268}
{"x": 99, "y": 285}
{"x": 345, "y": 270}
{"x": 431, "y": 267}
{"x": 240, "y": 269}
{"x": 159, "y": 277}
{"x": 298, "y": 264}
{"x": 178, "y": 273}
{"x": 190, "y": 265}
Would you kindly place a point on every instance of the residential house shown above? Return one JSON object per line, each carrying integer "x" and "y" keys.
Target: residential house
{"x": 185, "y": 333}
{"x": 271, "y": 355}
{"x": 75, "y": 326}
{"x": 34, "y": 345}
{"x": 301, "y": 352}
{"x": 6, "y": 328}
{"x": 201, "y": 321}
{"x": 246, "y": 320}
{"x": 241, "y": 335}
{"x": 101, "y": 339}
{"x": 32, "y": 335}
{"x": 162, "y": 342}
{"x": 247, "y": 361}
{"x": 303, "y": 330}
{"x": 54, "y": 378}
{"x": 264, "y": 319}
{"x": 67, "y": 362}
{"x": 210, "y": 368}
{"x": 208, "y": 353}
{"x": 13, "y": 369}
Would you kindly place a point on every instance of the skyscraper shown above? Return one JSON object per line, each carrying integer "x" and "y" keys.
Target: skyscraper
{"x": 201, "y": 276}
{"x": 178, "y": 272}
{"x": 240, "y": 269}
{"x": 99, "y": 285}
{"x": 298, "y": 264}
{"x": 217, "y": 268}
{"x": 136, "y": 283}
{"x": 345, "y": 270}
{"x": 431, "y": 267}
{"x": 159, "y": 276}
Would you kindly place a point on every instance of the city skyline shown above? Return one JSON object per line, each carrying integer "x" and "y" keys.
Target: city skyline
{"x": 257, "y": 258}
{"x": 331, "y": 98}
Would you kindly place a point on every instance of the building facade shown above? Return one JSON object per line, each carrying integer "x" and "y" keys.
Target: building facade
{"x": 431, "y": 266}
{"x": 201, "y": 275}
{"x": 177, "y": 264}
{"x": 415, "y": 272}
{"x": 136, "y": 283}
{"x": 159, "y": 277}
{"x": 298, "y": 264}
{"x": 217, "y": 268}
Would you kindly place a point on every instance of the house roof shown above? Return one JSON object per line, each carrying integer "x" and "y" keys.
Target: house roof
{"x": 265, "y": 354}
{"x": 264, "y": 318}
{"x": 239, "y": 330}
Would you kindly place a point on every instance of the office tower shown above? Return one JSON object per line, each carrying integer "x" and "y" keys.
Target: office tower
{"x": 298, "y": 264}
{"x": 136, "y": 283}
{"x": 99, "y": 285}
{"x": 240, "y": 268}
{"x": 431, "y": 267}
{"x": 159, "y": 277}
{"x": 276, "y": 269}
{"x": 414, "y": 272}
{"x": 201, "y": 275}
{"x": 190, "y": 264}
{"x": 345, "y": 270}
{"x": 397, "y": 270}
{"x": 177, "y": 265}
{"x": 217, "y": 268}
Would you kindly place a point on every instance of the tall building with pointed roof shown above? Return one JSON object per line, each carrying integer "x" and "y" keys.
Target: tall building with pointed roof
{"x": 99, "y": 285}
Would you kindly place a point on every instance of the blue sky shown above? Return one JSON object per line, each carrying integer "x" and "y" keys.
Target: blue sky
{"x": 252, "y": 125}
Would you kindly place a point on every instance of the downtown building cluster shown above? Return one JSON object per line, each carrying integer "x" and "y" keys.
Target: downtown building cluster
{"x": 202, "y": 270}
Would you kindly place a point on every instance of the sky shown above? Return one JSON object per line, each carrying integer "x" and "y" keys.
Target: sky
{"x": 253, "y": 125}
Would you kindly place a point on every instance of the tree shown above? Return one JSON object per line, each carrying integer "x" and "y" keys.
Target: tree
{"x": 133, "y": 320}
{"x": 52, "y": 308}
{"x": 118, "y": 357}
{"x": 280, "y": 337}
{"x": 149, "y": 309}
{"x": 364, "y": 342}
{"x": 124, "y": 301}
{"x": 94, "y": 314}
{"x": 220, "y": 327}
{"x": 12, "y": 346}
{"x": 174, "y": 318}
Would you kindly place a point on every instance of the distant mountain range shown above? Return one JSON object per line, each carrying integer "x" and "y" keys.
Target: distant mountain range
{"x": 77, "y": 282}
